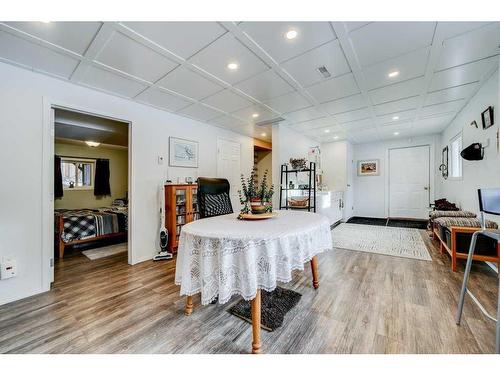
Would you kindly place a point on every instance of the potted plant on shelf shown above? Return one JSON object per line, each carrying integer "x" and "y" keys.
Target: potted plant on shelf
{"x": 255, "y": 198}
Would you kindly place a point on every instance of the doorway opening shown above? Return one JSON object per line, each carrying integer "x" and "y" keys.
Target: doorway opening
{"x": 263, "y": 160}
{"x": 91, "y": 188}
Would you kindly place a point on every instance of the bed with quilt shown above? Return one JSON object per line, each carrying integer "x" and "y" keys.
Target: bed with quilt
{"x": 86, "y": 225}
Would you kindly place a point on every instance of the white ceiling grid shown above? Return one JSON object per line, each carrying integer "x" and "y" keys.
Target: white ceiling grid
{"x": 181, "y": 67}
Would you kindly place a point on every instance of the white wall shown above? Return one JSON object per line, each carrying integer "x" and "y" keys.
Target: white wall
{"x": 371, "y": 193}
{"x": 287, "y": 143}
{"x": 476, "y": 174}
{"x": 22, "y": 98}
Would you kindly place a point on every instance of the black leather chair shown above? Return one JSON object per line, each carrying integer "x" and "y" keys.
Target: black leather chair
{"x": 489, "y": 202}
{"x": 213, "y": 197}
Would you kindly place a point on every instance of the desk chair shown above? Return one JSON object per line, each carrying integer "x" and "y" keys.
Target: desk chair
{"x": 213, "y": 197}
{"x": 489, "y": 202}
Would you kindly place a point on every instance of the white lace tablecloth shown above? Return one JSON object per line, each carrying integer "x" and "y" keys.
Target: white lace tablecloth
{"x": 222, "y": 256}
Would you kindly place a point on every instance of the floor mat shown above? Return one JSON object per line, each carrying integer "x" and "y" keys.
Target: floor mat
{"x": 399, "y": 223}
{"x": 274, "y": 306}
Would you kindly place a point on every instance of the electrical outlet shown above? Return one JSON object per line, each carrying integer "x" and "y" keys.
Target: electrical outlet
{"x": 8, "y": 268}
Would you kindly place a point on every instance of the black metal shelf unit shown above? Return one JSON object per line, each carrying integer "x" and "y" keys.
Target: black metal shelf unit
{"x": 311, "y": 187}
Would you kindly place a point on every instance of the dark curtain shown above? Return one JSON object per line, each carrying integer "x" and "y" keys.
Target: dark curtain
{"x": 101, "y": 182}
{"x": 58, "y": 185}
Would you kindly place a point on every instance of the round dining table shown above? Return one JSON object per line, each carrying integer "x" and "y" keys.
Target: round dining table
{"x": 222, "y": 256}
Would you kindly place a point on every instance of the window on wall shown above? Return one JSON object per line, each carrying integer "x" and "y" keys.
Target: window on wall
{"x": 455, "y": 158}
{"x": 77, "y": 174}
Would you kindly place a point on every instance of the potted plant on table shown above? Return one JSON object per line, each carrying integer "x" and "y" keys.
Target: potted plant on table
{"x": 254, "y": 197}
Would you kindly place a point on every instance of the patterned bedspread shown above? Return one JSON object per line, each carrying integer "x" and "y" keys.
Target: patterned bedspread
{"x": 88, "y": 223}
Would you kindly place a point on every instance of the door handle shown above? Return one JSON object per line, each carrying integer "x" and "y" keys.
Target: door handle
{"x": 426, "y": 188}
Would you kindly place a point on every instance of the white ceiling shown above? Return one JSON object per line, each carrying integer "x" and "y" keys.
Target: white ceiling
{"x": 181, "y": 67}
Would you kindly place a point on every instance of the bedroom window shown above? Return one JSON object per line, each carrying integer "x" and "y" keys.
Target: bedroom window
{"x": 77, "y": 174}
{"x": 456, "y": 159}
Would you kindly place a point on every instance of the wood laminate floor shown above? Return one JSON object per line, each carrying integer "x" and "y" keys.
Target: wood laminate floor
{"x": 365, "y": 304}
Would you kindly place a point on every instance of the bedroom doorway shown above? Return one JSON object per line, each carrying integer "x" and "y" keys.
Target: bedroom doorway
{"x": 91, "y": 189}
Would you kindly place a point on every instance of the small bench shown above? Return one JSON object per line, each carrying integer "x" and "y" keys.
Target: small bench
{"x": 455, "y": 234}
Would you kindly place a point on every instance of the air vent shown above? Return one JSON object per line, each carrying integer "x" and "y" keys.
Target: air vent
{"x": 324, "y": 72}
{"x": 273, "y": 121}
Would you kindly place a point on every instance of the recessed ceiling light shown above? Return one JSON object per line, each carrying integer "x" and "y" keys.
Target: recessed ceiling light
{"x": 291, "y": 34}
{"x": 327, "y": 130}
{"x": 255, "y": 115}
{"x": 45, "y": 21}
{"x": 396, "y": 133}
{"x": 393, "y": 74}
{"x": 92, "y": 143}
{"x": 263, "y": 134}
{"x": 395, "y": 118}
{"x": 232, "y": 66}
{"x": 336, "y": 137}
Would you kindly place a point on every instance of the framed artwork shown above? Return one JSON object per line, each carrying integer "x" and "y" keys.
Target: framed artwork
{"x": 183, "y": 153}
{"x": 487, "y": 117}
{"x": 444, "y": 163}
{"x": 368, "y": 167}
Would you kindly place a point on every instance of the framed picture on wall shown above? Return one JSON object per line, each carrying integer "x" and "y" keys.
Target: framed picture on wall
{"x": 183, "y": 153}
{"x": 369, "y": 167}
{"x": 487, "y": 117}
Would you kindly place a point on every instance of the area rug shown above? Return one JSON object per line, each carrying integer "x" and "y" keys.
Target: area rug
{"x": 400, "y": 223}
{"x": 274, "y": 306}
{"x": 398, "y": 242}
{"x": 106, "y": 251}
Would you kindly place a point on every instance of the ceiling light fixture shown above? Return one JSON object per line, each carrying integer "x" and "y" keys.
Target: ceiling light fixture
{"x": 395, "y": 118}
{"x": 232, "y": 66}
{"x": 327, "y": 130}
{"x": 393, "y": 74}
{"x": 45, "y": 21}
{"x": 336, "y": 137}
{"x": 396, "y": 133}
{"x": 291, "y": 34}
{"x": 92, "y": 143}
{"x": 255, "y": 115}
{"x": 263, "y": 134}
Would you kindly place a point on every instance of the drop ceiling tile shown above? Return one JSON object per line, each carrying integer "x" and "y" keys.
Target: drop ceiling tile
{"x": 227, "y": 49}
{"x": 271, "y": 37}
{"x": 162, "y": 99}
{"x": 265, "y": 85}
{"x": 334, "y": 88}
{"x": 396, "y": 117}
{"x": 306, "y": 114}
{"x": 445, "y": 30}
{"x": 111, "y": 82}
{"x": 471, "y": 46}
{"x": 435, "y": 123}
{"x": 448, "y": 107}
{"x": 381, "y": 41}
{"x": 357, "y": 125}
{"x": 453, "y": 93}
{"x": 397, "y": 106}
{"x": 182, "y": 38}
{"x": 463, "y": 74}
{"x": 228, "y": 122}
{"x": 246, "y": 114}
{"x": 34, "y": 56}
{"x": 358, "y": 114}
{"x": 288, "y": 102}
{"x": 227, "y": 101}
{"x": 126, "y": 55}
{"x": 304, "y": 67}
{"x": 73, "y": 36}
{"x": 316, "y": 123}
{"x": 349, "y": 103}
{"x": 200, "y": 112}
{"x": 351, "y": 26}
{"x": 364, "y": 136}
{"x": 189, "y": 83}
{"x": 410, "y": 65}
{"x": 397, "y": 91}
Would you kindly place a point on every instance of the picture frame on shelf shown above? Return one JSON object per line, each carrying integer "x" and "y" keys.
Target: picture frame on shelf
{"x": 487, "y": 117}
{"x": 369, "y": 167}
{"x": 183, "y": 153}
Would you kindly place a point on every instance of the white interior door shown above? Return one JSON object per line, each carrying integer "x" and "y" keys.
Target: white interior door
{"x": 409, "y": 181}
{"x": 229, "y": 166}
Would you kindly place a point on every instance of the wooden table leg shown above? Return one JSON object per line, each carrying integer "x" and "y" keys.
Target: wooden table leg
{"x": 314, "y": 269}
{"x": 189, "y": 305}
{"x": 256, "y": 323}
